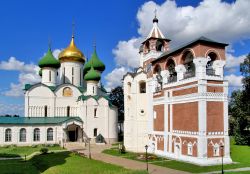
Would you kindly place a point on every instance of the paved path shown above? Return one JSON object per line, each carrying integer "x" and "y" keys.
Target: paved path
{"x": 231, "y": 170}
{"x": 126, "y": 163}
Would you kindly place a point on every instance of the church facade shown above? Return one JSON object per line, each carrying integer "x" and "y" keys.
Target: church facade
{"x": 176, "y": 102}
{"x": 69, "y": 105}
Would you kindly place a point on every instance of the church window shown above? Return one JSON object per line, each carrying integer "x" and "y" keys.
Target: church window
{"x": 46, "y": 111}
{"x": 49, "y": 134}
{"x": 50, "y": 76}
{"x": 189, "y": 64}
{"x": 72, "y": 75}
{"x": 155, "y": 115}
{"x": 36, "y": 136}
{"x": 68, "y": 111}
{"x": 8, "y": 135}
{"x": 171, "y": 69}
{"x": 93, "y": 89}
{"x": 142, "y": 86}
{"x": 95, "y": 112}
{"x": 64, "y": 75}
{"x": 95, "y": 132}
{"x": 216, "y": 150}
{"x": 22, "y": 135}
{"x": 209, "y": 67}
{"x": 80, "y": 76}
{"x": 67, "y": 92}
{"x": 190, "y": 148}
{"x": 129, "y": 87}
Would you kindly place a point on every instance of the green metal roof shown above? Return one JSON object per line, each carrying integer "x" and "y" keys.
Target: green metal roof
{"x": 37, "y": 120}
{"x": 95, "y": 62}
{"x": 49, "y": 61}
{"x": 200, "y": 39}
{"x": 92, "y": 75}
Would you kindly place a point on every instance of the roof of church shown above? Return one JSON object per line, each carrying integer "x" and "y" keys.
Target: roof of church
{"x": 200, "y": 39}
{"x": 92, "y": 75}
{"x": 36, "y": 120}
{"x": 71, "y": 53}
{"x": 156, "y": 32}
{"x": 96, "y": 63}
{"x": 49, "y": 61}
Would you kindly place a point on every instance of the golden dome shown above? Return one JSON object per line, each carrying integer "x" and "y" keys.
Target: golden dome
{"x": 72, "y": 53}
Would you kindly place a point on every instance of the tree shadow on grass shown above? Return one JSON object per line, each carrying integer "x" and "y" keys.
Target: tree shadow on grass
{"x": 8, "y": 155}
{"x": 45, "y": 161}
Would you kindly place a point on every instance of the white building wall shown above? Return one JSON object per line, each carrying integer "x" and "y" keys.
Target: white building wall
{"x": 49, "y": 76}
{"x": 71, "y": 72}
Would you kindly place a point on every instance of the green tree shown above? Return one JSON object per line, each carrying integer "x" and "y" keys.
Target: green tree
{"x": 239, "y": 107}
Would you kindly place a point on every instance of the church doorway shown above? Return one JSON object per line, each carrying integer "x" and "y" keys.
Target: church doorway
{"x": 73, "y": 133}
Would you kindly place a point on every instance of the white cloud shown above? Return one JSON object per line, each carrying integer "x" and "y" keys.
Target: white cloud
{"x": 232, "y": 62}
{"x": 113, "y": 79}
{"x": 235, "y": 82}
{"x": 221, "y": 21}
{"x": 127, "y": 53}
{"x": 56, "y": 52}
{"x": 11, "y": 109}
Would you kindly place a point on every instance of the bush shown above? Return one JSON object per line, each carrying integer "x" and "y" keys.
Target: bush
{"x": 123, "y": 149}
{"x": 44, "y": 150}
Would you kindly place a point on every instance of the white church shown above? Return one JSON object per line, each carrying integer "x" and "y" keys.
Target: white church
{"x": 69, "y": 105}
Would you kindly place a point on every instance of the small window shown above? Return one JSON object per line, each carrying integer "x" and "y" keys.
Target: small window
{"x": 129, "y": 87}
{"x": 68, "y": 111}
{"x": 190, "y": 149}
{"x": 8, "y": 135}
{"x": 64, "y": 75}
{"x": 50, "y": 76}
{"x": 49, "y": 134}
{"x": 216, "y": 150}
{"x": 22, "y": 136}
{"x": 95, "y": 132}
{"x": 95, "y": 112}
{"x": 36, "y": 134}
{"x": 142, "y": 86}
{"x": 45, "y": 111}
{"x": 155, "y": 115}
{"x": 93, "y": 89}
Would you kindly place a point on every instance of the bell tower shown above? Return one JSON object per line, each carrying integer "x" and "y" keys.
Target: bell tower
{"x": 153, "y": 46}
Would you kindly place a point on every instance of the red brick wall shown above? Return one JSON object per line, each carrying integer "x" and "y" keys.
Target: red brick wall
{"x": 210, "y": 149}
{"x": 185, "y": 141}
{"x": 159, "y": 120}
{"x": 215, "y": 116}
{"x": 214, "y": 89}
{"x": 185, "y": 116}
{"x": 185, "y": 91}
{"x": 160, "y": 144}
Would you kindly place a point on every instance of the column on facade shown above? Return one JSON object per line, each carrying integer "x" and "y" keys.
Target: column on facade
{"x": 200, "y": 67}
{"x": 180, "y": 70}
{"x": 218, "y": 66}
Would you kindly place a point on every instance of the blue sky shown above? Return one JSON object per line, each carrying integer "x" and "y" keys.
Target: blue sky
{"x": 116, "y": 26}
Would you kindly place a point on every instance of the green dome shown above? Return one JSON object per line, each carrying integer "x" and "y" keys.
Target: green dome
{"x": 96, "y": 62}
{"x": 40, "y": 72}
{"x": 49, "y": 61}
{"x": 92, "y": 75}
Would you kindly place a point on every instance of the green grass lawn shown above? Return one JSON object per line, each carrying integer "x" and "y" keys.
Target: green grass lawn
{"x": 61, "y": 163}
{"x": 240, "y": 154}
{"x": 12, "y": 151}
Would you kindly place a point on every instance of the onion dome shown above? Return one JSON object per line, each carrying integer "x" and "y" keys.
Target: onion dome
{"x": 72, "y": 53}
{"x": 95, "y": 62}
{"x": 92, "y": 75}
{"x": 49, "y": 61}
{"x": 40, "y": 72}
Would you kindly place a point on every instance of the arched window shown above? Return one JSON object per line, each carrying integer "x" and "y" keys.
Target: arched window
{"x": 172, "y": 73}
{"x": 129, "y": 87}
{"x": 36, "y": 136}
{"x": 95, "y": 132}
{"x": 159, "y": 45}
{"x": 68, "y": 111}
{"x": 50, "y": 76}
{"x": 67, "y": 92}
{"x": 190, "y": 149}
{"x": 8, "y": 135}
{"x": 211, "y": 58}
{"x": 49, "y": 134}
{"x": 72, "y": 75}
{"x": 22, "y": 135}
{"x": 187, "y": 60}
{"x": 45, "y": 111}
{"x": 64, "y": 75}
{"x": 216, "y": 150}
{"x": 157, "y": 69}
{"x": 95, "y": 112}
{"x": 142, "y": 87}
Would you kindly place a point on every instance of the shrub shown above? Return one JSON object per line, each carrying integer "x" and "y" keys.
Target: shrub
{"x": 44, "y": 150}
{"x": 123, "y": 149}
